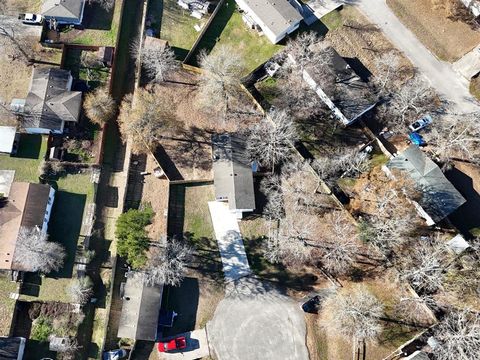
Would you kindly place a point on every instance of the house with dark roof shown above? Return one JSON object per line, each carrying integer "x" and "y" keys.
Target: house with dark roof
{"x": 233, "y": 177}
{"x": 140, "y": 310}
{"x": 50, "y": 102}
{"x": 276, "y": 18}
{"x": 12, "y": 348}
{"x": 27, "y": 205}
{"x": 439, "y": 198}
{"x": 338, "y": 85}
{"x": 64, "y": 11}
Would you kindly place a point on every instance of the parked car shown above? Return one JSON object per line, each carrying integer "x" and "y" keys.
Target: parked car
{"x": 174, "y": 344}
{"x": 33, "y": 19}
{"x": 421, "y": 123}
{"x": 115, "y": 354}
{"x": 417, "y": 139}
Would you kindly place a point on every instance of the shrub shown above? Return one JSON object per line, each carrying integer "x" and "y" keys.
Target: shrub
{"x": 132, "y": 237}
{"x": 41, "y": 329}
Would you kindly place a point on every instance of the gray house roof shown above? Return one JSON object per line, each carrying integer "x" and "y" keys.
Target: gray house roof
{"x": 50, "y": 101}
{"x": 348, "y": 92}
{"x": 64, "y": 10}
{"x": 439, "y": 196}
{"x": 233, "y": 178}
{"x": 12, "y": 348}
{"x": 140, "y": 310}
{"x": 278, "y": 15}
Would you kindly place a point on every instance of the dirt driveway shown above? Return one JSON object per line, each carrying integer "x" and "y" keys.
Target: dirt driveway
{"x": 256, "y": 321}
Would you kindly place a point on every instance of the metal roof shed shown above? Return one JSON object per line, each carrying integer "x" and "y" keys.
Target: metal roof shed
{"x": 140, "y": 310}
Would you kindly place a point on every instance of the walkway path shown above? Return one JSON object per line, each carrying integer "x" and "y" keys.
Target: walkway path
{"x": 230, "y": 242}
{"x": 451, "y": 86}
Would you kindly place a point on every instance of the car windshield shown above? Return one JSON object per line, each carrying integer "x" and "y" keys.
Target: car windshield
{"x": 416, "y": 124}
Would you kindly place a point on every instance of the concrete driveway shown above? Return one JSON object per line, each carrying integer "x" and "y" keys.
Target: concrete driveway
{"x": 469, "y": 65}
{"x": 255, "y": 321}
{"x": 230, "y": 242}
{"x": 443, "y": 78}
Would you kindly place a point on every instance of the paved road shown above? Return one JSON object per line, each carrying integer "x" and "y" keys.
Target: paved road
{"x": 448, "y": 84}
{"x": 230, "y": 242}
{"x": 256, "y": 321}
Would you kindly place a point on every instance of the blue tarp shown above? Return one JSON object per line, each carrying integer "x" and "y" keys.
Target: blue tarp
{"x": 417, "y": 139}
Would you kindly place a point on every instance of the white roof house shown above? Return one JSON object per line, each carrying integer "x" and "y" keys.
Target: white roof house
{"x": 7, "y": 138}
{"x": 276, "y": 18}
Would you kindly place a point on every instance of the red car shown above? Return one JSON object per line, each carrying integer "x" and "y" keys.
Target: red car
{"x": 174, "y": 344}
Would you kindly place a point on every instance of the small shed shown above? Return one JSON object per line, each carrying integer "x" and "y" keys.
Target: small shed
{"x": 7, "y": 139}
{"x": 140, "y": 310}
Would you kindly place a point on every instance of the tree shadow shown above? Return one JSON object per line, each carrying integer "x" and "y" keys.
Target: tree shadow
{"x": 64, "y": 227}
{"x": 95, "y": 17}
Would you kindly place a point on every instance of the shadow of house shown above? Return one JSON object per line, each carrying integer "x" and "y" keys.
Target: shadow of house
{"x": 29, "y": 146}
{"x": 67, "y": 216}
{"x": 96, "y": 17}
{"x": 167, "y": 164}
{"x": 183, "y": 300}
{"x": 467, "y": 216}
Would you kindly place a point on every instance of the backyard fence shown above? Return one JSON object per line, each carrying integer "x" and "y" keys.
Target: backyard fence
{"x": 194, "y": 48}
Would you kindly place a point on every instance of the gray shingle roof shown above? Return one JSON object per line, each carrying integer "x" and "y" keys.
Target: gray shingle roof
{"x": 140, "y": 310}
{"x": 233, "y": 178}
{"x": 277, "y": 15}
{"x": 11, "y": 347}
{"x": 439, "y": 196}
{"x": 350, "y": 94}
{"x": 50, "y": 100}
{"x": 63, "y": 9}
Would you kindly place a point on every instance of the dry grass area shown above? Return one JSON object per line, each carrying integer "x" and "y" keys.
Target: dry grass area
{"x": 15, "y": 78}
{"x": 156, "y": 192}
{"x": 32, "y": 6}
{"x": 189, "y": 147}
{"x": 475, "y": 87}
{"x": 448, "y": 40}
{"x": 364, "y": 41}
{"x": 389, "y": 292}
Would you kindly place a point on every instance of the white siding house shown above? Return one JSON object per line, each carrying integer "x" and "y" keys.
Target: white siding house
{"x": 276, "y": 18}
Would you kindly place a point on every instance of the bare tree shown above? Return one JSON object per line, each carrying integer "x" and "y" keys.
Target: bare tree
{"x": 424, "y": 267}
{"x": 13, "y": 44}
{"x": 158, "y": 61}
{"x": 270, "y": 141}
{"x": 99, "y": 106}
{"x": 146, "y": 119}
{"x": 35, "y": 253}
{"x": 458, "y": 335}
{"x": 387, "y": 71}
{"x": 166, "y": 264}
{"x": 220, "y": 81}
{"x": 414, "y": 309}
{"x": 414, "y": 98}
{"x": 304, "y": 49}
{"x": 91, "y": 65}
{"x": 456, "y": 136}
{"x": 355, "y": 314}
{"x": 104, "y": 4}
{"x": 81, "y": 290}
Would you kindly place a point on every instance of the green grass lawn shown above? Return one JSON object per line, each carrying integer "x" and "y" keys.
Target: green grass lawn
{"x": 197, "y": 215}
{"x": 74, "y": 191}
{"x": 26, "y": 162}
{"x": 6, "y": 304}
{"x": 174, "y": 24}
{"x": 228, "y": 28}
{"x": 99, "y": 34}
{"x": 94, "y": 76}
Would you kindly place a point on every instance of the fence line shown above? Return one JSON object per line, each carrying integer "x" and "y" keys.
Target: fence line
{"x": 202, "y": 33}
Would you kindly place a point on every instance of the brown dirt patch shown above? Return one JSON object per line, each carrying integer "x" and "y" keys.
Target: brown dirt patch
{"x": 358, "y": 38}
{"x": 156, "y": 193}
{"x": 448, "y": 40}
